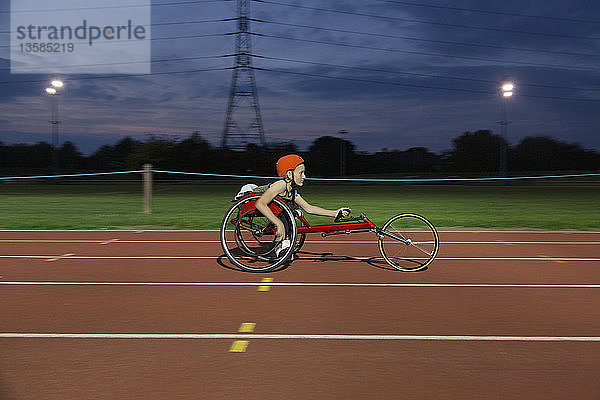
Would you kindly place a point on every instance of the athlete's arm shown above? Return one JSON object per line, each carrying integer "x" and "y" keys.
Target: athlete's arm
{"x": 262, "y": 205}
{"x": 315, "y": 210}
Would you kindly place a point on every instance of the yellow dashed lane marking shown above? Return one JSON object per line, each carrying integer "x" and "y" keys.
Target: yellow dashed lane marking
{"x": 239, "y": 346}
{"x": 265, "y": 288}
{"x": 247, "y": 327}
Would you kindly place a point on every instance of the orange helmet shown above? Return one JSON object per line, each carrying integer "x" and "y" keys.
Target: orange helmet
{"x": 286, "y": 163}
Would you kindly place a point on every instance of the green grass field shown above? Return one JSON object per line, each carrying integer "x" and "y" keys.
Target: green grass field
{"x": 201, "y": 206}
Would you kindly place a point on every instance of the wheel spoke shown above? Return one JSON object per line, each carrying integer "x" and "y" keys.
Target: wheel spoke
{"x": 428, "y": 252}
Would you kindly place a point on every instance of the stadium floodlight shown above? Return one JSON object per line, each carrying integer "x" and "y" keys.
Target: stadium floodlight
{"x": 53, "y": 92}
{"x": 507, "y": 88}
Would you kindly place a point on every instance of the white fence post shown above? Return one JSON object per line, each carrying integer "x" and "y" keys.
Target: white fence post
{"x": 148, "y": 188}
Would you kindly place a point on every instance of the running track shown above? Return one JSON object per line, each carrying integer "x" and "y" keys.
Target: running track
{"x": 155, "y": 315}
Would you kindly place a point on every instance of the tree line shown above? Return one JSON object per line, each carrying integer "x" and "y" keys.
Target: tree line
{"x": 472, "y": 152}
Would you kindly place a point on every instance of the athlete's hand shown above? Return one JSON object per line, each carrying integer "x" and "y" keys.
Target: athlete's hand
{"x": 344, "y": 210}
{"x": 341, "y": 213}
{"x": 280, "y": 234}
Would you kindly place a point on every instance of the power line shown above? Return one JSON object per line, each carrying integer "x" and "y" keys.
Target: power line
{"x": 421, "y": 75}
{"x": 486, "y": 81}
{"x": 178, "y": 23}
{"x": 117, "y": 7}
{"x": 430, "y": 54}
{"x": 372, "y": 81}
{"x": 188, "y": 22}
{"x": 341, "y": 66}
{"x": 430, "y": 40}
{"x": 420, "y": 86}
{"x": 371, "y": 48}
{"x": 122, "y": 75}
{"x": 301, "y": 74}
{"x": 493, "y": 12}
{"x": 165, "y": 23}
{"x": 151, "y": 39}
{"x": 423, "y": 22}
{"x": 124, "y": 63}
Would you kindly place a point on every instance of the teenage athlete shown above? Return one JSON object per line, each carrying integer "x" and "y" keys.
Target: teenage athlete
{"x": 292, "y": 170}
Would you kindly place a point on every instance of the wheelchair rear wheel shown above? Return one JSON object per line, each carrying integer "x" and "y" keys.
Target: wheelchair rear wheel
{"x": 248, "y": 237}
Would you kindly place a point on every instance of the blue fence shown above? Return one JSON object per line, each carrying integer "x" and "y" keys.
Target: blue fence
{"x": 364, "y": 180}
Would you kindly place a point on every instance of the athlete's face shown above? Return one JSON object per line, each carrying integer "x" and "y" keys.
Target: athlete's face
{"x": 300, "y": 175}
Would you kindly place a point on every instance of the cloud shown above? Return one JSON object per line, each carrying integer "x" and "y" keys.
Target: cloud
{"x": 428, "y": 99}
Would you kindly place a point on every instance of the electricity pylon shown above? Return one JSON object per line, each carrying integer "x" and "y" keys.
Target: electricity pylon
{"x": 243, "y": 97}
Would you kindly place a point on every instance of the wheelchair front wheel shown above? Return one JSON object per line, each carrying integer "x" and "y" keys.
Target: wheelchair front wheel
{"x": 408, "y": 242}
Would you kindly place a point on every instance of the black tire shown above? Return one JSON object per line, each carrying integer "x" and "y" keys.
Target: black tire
{"x": 300, "y": 242}
{"x": 247, "y": 237}
{"x": 408, "y": 242}
{"x": 301, "y": 236}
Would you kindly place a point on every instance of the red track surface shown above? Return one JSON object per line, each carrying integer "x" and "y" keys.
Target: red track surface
{"x": 425, "y": 341}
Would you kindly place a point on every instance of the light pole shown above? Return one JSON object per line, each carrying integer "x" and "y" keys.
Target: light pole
{"x": 506, "y": 90}
{"x": 53, "y": 91}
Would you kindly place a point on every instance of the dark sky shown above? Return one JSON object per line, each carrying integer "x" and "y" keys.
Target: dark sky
{"x": 393, "y": 74}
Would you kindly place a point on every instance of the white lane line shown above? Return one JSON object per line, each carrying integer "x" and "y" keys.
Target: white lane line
{"x": 324, "y": 241}
{"x": 457, "y": 231}
{"x": 46, "y": 241}
{"x": 510, "y": 242}
{"x": 129, "y": 257}
{"x": 255, "y": 336}
{"x": 60, "y": 257}
{"x": 443, "y": 243}
{"x": 109, "y": 241}
{"x": 309, "y": 284}
{"x": 308, "y": 259}
{"x": 126, "y": 230}
{"x": 517, "y": 258}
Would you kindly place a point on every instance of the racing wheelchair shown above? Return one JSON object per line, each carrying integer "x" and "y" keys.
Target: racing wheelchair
{"x": 407, "y": 241}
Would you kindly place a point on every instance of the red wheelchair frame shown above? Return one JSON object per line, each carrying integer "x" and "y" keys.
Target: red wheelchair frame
{"x": 334, "y": 229}
{"x": 348, "y": 225}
